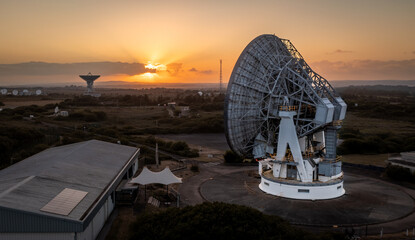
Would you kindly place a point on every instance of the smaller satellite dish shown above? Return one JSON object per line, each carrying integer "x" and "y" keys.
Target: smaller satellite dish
{"x": 4, "y": 91}
{"x": 200, "y": 93}
{"x": 38, "y": 92}
{"x": 25, "y": 92}
{"x": 15, "y": 92}
{"x": 56, "y": 109}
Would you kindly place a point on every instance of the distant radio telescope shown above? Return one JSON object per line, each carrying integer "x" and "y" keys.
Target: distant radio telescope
{"x": 89, "y": 78}
{"x": 15, "y": 92}
{"x": 286, "y": 116}
{"x": 38, "y": 92}
{"x": 3, "y": 91}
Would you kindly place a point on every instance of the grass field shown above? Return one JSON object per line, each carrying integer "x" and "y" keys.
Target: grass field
{"x": 378, "y": 125}
{"x": 375, "y": 160}
{"x": 14, "y": 103}
{"x": 141, "y": 119}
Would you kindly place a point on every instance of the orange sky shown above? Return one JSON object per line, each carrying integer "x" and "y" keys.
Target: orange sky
{"x": 341, "y": 40}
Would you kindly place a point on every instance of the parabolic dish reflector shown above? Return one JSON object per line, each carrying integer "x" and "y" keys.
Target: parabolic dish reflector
{"x": 269, "y": 74}
{"x": 89, "y": 77}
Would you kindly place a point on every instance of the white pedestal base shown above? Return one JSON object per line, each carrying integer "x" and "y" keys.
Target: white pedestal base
{"x": 309, "y": 191}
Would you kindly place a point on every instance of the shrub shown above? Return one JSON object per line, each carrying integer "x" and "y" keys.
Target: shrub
{"x": 399, "y": 173}
{"x": 217, "y": 221}
{"x": 194, "y": 168}
{"x": 180, "y": 146}
{"x": 232, "y": 157}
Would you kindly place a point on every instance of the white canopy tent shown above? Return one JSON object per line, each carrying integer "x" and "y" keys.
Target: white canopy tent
{"x": 164, "y": 177}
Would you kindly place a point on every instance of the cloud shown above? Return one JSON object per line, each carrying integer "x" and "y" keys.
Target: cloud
{"x": 340, "y": 51}
{"x": 174, "y": 68}
{"x": 207, "y": 72}
{"x": 48, "y": 69}
{"x": 366, "y": 69}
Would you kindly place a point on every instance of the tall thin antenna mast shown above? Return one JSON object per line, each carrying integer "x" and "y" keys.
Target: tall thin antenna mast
{"x": 220, "y": 77}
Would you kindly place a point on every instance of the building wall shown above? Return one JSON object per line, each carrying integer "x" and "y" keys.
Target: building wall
{"x": 95, "y": 226}
{"x": 90, "y": 233}
{"x": 302, "y": 192}
{"x": 37, "y": 236}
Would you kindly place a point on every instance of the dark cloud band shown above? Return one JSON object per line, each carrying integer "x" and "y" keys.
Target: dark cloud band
{"x": 45, "y": 69}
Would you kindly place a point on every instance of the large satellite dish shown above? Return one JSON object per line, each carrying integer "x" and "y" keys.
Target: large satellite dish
{"x": 38, "y": 92}
{"x": 15, "y": 92}
{"x": 276, "y": 106}
{"x": 4, "y": 91}
{"x": 89, "y": 79}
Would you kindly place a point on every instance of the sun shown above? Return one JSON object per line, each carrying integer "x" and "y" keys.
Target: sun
{"x": 148, "y": 75}
{"x": 156, "y": 66}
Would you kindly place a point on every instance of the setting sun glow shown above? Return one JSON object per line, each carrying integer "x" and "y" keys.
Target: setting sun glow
{"x": 156, "y": 66}
{"x": 183, "y": 41}
{"x": 148, "y": 75}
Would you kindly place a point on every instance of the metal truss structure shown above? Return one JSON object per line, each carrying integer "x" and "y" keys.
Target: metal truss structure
{"x": 270, "y": 74}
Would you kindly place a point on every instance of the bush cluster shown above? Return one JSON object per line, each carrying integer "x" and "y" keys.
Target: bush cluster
{"x": 358, "y": 143}
{"x": 87, "y": 116}
{"x": 399, "y": 173}
{"x": 19, "y": 143}
{"x": 23, "y": 111}
{"x": 194, "y": 168}
{"x": 217, "y": 221}
{"x": 232, "y": 157}
{"x": 386, "y": 102}
{"x": 180, "y": 148}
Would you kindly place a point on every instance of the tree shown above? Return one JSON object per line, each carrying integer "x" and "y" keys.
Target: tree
{"x": 232, "y": 157}
{"x": 216, "y": 221}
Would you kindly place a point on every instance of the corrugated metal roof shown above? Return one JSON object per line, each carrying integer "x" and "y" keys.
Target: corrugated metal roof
{"x": 88, "y": 166}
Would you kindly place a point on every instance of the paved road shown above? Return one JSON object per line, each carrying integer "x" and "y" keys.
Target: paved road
{"x": 379, "y": 201}
{"x": 190, "y": 189}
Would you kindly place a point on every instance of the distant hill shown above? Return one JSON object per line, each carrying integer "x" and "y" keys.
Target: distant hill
{"x": 345, "y": 83}
{"x": 336, "y": 84}
{"x": 122, "y": 84}
{"x": 140, "y": 85}
{"x": 378, "y": 90}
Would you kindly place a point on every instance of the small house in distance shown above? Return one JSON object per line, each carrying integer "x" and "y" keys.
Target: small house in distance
{"x": 65, "y": 192}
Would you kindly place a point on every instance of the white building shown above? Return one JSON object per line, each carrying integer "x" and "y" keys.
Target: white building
{"x": 64, "y": 113}
{"x": 65, "y": 192}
